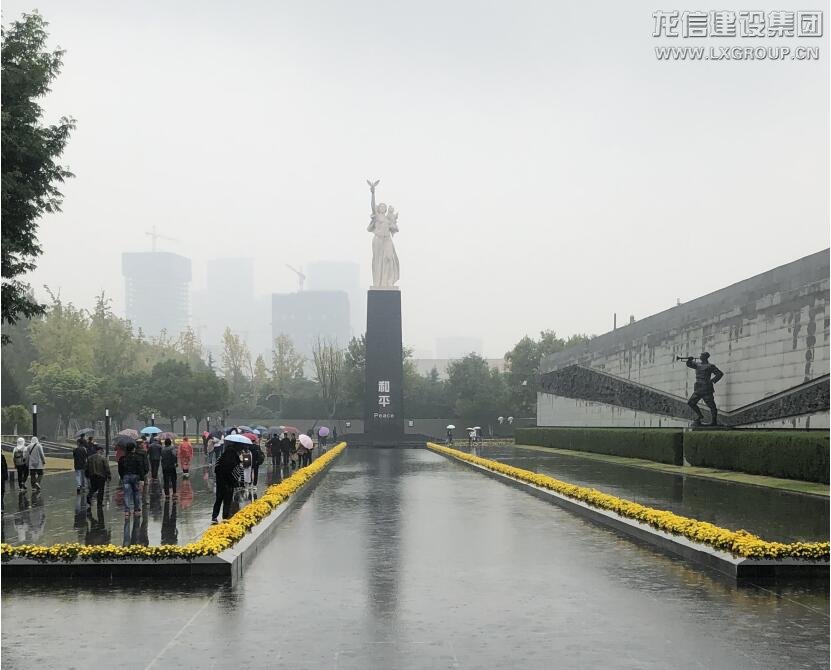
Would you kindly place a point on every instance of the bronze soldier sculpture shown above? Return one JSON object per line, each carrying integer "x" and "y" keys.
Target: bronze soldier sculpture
{"x": 706, "y": 375}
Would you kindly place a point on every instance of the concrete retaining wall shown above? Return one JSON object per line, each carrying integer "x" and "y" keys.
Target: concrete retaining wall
{"x": 767, "y": 334}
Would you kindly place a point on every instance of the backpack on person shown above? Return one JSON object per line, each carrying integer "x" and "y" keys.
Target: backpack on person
{"x": 19, "y": 457}
{"x": 246, "y": 459}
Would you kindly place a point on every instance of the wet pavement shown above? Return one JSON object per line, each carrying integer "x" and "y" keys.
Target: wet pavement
{"x": 57, "y": 514}
{"x": 782, "y": 516}
{"x": 405, "y": 559}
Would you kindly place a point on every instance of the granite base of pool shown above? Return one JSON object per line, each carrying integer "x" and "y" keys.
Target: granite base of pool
{"x": 226, "y": 567}
{"x": 736, "y": 568}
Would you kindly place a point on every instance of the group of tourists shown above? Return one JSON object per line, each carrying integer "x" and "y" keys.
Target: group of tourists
{"x": 137, "y": 460}
{"x": 238, "y": 464}
{"x": 30, "y": 462}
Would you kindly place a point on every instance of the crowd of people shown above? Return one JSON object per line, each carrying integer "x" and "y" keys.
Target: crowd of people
{"x": 152, "y": 465}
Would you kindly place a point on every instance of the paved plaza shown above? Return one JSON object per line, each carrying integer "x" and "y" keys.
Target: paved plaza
{"x": 405, "y": 559}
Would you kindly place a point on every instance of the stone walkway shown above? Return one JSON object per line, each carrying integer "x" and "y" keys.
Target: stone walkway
{"x": 404, "y": 559}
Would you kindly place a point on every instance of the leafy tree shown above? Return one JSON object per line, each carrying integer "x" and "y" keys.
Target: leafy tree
{"x": 523, "y": 373}
{"x": 170, "y": 383}
{"x": 425, "y": 397}
{"x": 16, "y": 420}
{"x": 328, "y": 361}
{"x": 476, "y": 392}
{"x": 63, "y": 338}
{"x": 286, "y": 362}
{"x": 70, "y": 392}
{"x": 354, "y": 375}
{"x": 236, "y": 366}
{"x": 206, "y": 394}
{"x": 190, "y": 346}
{"x": 30, "y": 173}
{"x": 111, "y": 339}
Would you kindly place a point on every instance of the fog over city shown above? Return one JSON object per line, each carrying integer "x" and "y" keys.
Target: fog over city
{"x": 548, "y": 170}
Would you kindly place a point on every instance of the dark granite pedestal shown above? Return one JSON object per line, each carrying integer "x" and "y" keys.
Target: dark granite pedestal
{"x": 384, "y": 423}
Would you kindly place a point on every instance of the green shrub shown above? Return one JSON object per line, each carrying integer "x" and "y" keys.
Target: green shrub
{"x": 789, "y": 454}
{"x": 654, "y": 444}
{"x": 16, "y": 417}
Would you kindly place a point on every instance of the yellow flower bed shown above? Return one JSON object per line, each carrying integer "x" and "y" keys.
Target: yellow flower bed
{"x": 737, "y": 542}
{"x": 216, "y": 539}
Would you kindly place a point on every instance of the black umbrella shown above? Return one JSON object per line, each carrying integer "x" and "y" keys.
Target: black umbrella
{"x": 123, "y": 441}
{"x": 84, "y": 431}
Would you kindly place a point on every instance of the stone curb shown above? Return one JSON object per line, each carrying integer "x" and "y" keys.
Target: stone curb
{"x": 720, "y": 561}
{"x": 227, "y": 566}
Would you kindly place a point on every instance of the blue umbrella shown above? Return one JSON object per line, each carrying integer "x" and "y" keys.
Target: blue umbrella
{"x": 152, "y": 430}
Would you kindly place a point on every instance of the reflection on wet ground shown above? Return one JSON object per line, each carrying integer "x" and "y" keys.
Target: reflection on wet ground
{"x": 57, "y": 514}
{"x": 405, "y": 559}
{"x": 771, "y": 514}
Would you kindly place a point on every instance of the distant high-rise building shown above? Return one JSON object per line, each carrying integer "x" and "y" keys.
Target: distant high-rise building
{"x": 340, "y": 276}
{"x": 307, "y": 315}
{"x": 229, "y": 290}
{"x": 457, "y": 347}
{"x": 157, "y": 288}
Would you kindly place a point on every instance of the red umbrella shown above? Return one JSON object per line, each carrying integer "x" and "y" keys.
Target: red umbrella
{"x": 251, "y": 436}
{"x": 290, "y": 429}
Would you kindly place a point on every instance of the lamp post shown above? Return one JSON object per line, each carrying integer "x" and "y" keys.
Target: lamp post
{"x": 153, "y": 419}
{"x": 107, "y": 432}
{"x": 184, "y": 427}
{"x": 208, "y": 424}
{"x": 34, "y": 419}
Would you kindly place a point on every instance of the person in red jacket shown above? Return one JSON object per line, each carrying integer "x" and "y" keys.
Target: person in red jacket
{"x": 185, "y": 457}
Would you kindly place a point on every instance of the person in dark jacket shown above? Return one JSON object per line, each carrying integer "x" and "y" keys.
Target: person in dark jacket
{"x": 98, "y": 472}
{"x": 274, "y": 451}
{"x": 79, "y": 458}
{"x": 285, "y": 451}
{"x": 154, "y": 455}
{"x": 227, "y": 472}
{"x": 169, "y": 463}
{"x": 134, "y": 467}
{"x": 257, "y": 459}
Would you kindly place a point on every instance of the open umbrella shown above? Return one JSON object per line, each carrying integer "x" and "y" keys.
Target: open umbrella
{"x": 290, "y": 429}
{"x": 477, "y": 428}
{"x": 129, "y": 432}
{"x": 323, "y": 432}
{"x": 251, "y": 437}
{"x": 84, "y": 431}
{"x": 150, "y": 430}
{"x": 122, "y": 440}
{"x": 306, "y": 441}
{"x": 237, "y": 438}
{"x": 450, "y": 426}
{"x": 167, "y": 436}
{"x": 262, "y": 429}
{"x": 275, "y": 429}
{"x": 244, "y": 429}
{"x": 256, "y": 432}
{"x": 205, "y": 433}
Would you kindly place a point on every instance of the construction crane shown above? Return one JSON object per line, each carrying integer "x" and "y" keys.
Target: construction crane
{"x": 300, "y": 276}
{"x": 156, "y": 236}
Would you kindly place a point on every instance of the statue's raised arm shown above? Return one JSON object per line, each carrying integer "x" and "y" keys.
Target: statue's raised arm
{"x": 372, "y": 185}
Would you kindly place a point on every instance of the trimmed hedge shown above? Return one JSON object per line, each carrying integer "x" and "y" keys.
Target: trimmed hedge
{"x": 654, "y": 444}
{"x": 792, "y": 455}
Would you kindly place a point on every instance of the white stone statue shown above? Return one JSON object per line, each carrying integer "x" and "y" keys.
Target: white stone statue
{"x": 384, "y": 224}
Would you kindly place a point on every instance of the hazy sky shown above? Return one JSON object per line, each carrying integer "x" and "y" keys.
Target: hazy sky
{"x": 548, "y": 170}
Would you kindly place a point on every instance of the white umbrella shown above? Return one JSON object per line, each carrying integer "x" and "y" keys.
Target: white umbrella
{"x": 306, "y": 441}
{"x": 451, "y": 427}
{"x": 477, "y": 428}
{"x": 238, "y": 438}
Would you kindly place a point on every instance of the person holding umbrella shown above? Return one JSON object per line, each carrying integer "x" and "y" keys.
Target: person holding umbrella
{"x": 228, "y": 471}
{"x": 154, "y": 454}
{"x": 79, "y": 458}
